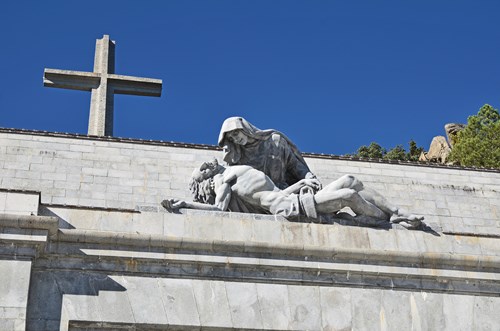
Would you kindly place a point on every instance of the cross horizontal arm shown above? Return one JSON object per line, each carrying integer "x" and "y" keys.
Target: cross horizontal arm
{"x": 135, "y": 85}
{"x": 68, "y": 79}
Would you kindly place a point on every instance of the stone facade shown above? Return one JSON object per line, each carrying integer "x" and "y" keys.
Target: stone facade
{"x": 85, "y": 245}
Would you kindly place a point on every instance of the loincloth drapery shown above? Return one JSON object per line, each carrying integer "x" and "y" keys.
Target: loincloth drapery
{"x": 295, "y": 205}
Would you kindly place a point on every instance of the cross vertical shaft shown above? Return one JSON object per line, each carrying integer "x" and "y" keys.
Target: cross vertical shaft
{"x": 102, "y": 99}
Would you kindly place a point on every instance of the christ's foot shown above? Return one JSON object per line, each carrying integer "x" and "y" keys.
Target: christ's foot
{"x": 409, "y": 221}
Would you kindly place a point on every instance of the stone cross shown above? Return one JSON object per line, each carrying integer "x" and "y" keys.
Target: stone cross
{"x": 103, "y": 83}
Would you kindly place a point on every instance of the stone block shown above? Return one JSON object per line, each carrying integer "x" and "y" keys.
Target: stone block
{"x": 305, "y": 307}
{"x": 273, "y": 301}
{"x": 466, "y": 245}
{"x": 54, "y": 175}
{"x": 106, "y": 150}
{"x": 67, "y": 185}
{"x": 236, "y": 229}
{"x": 365, "y": 309}
{"x": 94, "y": 171}
{"x": 203, "y": 225}
{"x": 147, "y": 223}
{"x": 119, "y": 189}
{"x": 335, "y": 308}
{"x": 490, "y": 246}
{"x": 106, "y": 180}
{"x": 21, "y": 203}
{"x": 211, "y": 300}
{"x": 120, "y": 173}
{"x": 292, "y": 233}
{"x": 82, "y": 148}
{"x": 244, "y": 305}
{"x": 28, "y": 174}
{"x": 173, "y": 225}
{"x": 485, "y": 313}
{"x": 61, "y": 201}
{"x": 6, "y": 173}
{"x": 179, "y": 302}
{"x": 15, "y": 313}
{"x": 3, "y": 198}
{"x": 8, "y": 324}
{"x": 116, "y": 221}
{"x": 184, "y": 157}
{"x": 395, "y": 311}
{"x": 14, "y": 165}
{"x": 347, "y": 236}
{"x": 384, "y": 240}
{"x": 146, "y": 300}
{"x": 14, "y": 283}
{"x": 409, "y": 241}
{"x": 91, "y": 202}
{"x": 458, "y": 312}
{"x": 115, "y": 306}
{"x": 81, "y": 308}
{"x": 427, "y": 311}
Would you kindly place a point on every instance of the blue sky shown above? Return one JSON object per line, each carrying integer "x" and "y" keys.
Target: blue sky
{"x": 332, "y": 75}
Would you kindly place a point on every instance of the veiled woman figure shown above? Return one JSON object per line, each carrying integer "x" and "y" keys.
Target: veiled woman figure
{"x": 269, "y": 151}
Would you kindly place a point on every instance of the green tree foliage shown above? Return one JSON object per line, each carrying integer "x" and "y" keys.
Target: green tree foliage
{"x": 478, "y": 144}
{"x": 414, "y": 152}
{"x": 396, "y": 153}
{"x": 374, "y": 150}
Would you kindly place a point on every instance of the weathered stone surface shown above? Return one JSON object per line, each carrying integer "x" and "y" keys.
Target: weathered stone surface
{"x": 366, "y": 309}
{"x": 212, "y": 302}
{"x": 14, "y": 284}
{"x": 485, "y": 313}
{"x": 244, "y": 305}
{"x": 335, "y": 308}
{"x": 274, "y": 303}
{"x": 438, "y": 151}
{"x": 427, "y": 311}
{"x": 114, "y": 306}
{"x": 19, "y": 203}
{"x": 395, "y": 310}
{"x": 305, "y": 307}
{"x": 178, "y": 299}
{"x": 457, "y": 312}
{"x": 145, "y": 299}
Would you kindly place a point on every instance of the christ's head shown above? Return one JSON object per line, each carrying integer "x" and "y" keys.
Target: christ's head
{"x": 201, "y": 183}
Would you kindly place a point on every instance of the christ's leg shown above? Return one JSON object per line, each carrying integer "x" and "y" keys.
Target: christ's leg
{"x": 397, "y": 214}
{"x": 329, "y": 201}
{"x": 346, "y": 181}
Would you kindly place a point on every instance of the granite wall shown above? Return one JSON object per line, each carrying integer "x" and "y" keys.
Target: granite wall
{"x": 84, "y": 245}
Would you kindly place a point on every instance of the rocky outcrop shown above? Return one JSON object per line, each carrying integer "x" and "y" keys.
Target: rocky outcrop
{"x": 438, "y": 151}
{"x": 451, "y": 131}
{"x": 440, "y": 147}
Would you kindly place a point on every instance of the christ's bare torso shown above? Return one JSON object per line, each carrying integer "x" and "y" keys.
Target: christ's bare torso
{"x": 250, "y": 185}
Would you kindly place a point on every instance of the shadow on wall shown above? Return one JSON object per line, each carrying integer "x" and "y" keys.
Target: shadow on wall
{"x": 47, "y": 288}
{"x": 62, "y": 224}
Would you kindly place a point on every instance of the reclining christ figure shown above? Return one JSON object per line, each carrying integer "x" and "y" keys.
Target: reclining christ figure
{"x": 216, "y": 188}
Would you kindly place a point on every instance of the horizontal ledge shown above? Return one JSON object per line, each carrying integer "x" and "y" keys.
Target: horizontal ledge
{"x": 295, "y": 251}
{"x": 312, "y": 266}
{"x": 49, "y": 223}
